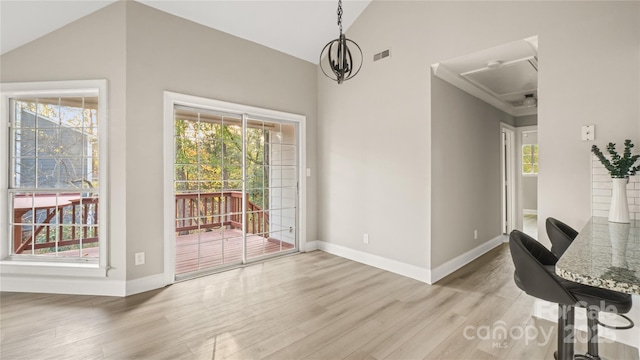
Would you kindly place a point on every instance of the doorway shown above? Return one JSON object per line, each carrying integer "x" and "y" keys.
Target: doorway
{"x": 528, "y": 165}
{"x": 505, "y": 77}
{"x": 508, "y": 177}
{"x": 234, "y": 188}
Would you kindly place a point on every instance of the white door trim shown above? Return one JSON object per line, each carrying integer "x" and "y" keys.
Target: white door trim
{"x": 508, "y": 177}
{"x": 170, "y": 100}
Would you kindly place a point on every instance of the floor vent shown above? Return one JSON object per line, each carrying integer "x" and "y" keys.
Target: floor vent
{"x": 381, "y": 55}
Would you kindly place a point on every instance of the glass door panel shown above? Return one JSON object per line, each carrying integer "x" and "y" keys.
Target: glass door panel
{"x": 272, "y": 180}
{"x": 208, "y": 184}
{"x": 235, "y": 183}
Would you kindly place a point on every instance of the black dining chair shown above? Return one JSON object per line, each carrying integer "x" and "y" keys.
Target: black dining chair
{"x": 560, "y": 234}
{"x": 535, "y": 274}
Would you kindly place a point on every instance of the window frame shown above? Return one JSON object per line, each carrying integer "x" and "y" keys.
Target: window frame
{"x": 63, "y": 266}
{"x": 522, "y": 158}
{"x": 171, "y": 99}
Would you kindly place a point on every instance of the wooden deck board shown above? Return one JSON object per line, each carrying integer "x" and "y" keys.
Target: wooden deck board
{"x": 216, "y": 248}
{"x": 210, "y": 249}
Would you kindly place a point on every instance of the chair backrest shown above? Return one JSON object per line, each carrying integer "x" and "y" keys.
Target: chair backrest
{"x": 531, "y": 275}
{"x": 560, "y": 234}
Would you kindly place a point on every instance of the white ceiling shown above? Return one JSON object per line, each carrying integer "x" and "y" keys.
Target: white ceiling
{"x": 299, "y": 28}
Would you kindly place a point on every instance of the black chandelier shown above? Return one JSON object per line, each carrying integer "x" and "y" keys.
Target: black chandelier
{"x": 337, "y": 56}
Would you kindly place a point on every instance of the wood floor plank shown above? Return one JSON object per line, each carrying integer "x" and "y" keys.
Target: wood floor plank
{"x": 307, "y": 306}
{"x": 426, "y": 340}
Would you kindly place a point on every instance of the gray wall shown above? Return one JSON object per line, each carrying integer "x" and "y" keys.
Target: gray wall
{"x": 143, "y": 52}
{"x": 165, "y": 52}
{"x": 527, "y": 120}
{"x": 465, "y": 171}
{"x": 376, "y": 144}
{"x": 90, "y": 48}
{"x": 530, "y": 193}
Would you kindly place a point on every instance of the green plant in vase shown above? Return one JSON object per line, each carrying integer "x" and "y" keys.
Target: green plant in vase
{"x": 620, "y": 167}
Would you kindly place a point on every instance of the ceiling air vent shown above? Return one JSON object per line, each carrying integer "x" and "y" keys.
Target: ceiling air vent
{"x": 381, "y": 55}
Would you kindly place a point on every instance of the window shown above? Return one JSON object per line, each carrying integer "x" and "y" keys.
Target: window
{"x": 56, "y": 179}
{"x": 530, "y": 159}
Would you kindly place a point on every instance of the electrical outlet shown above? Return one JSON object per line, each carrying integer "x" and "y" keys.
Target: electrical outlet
{"x": 140, "y": 258}
{"x": 365, "y": 238}
{"x": 475, "y": 234}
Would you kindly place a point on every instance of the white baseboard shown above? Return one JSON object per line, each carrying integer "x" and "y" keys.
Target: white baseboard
{"x": 462, "y": 260}
{"x": 311, "y": 246}
{"x": 549, "y": 311}
{"x": 148, "y": 283}
{"x": 397, "y": 267}
{"x": 79, "y": 286}
{"x": 67, "y": 285}
{"x": 530, "y": 212}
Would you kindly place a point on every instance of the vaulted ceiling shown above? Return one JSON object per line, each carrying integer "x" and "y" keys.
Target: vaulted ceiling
{"x": 299, "y": 28}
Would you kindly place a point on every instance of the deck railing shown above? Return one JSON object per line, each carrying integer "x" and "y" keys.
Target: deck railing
{"x": 211, "y": 210}
{"x": 66, "y": 224}
{"x": 214, "y": 210}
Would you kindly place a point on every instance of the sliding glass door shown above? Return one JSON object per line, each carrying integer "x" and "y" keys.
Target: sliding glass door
{"x": 235, "y": 188}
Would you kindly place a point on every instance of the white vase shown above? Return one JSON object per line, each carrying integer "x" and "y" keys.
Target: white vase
{"x": 619, "y": 237}
{"x": 619, "y": 212}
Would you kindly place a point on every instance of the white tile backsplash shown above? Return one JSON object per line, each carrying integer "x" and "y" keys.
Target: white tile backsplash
{"x": 601, "y": 191}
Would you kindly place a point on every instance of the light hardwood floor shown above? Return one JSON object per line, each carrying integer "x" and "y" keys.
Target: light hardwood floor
{"x": 306, "y": 306}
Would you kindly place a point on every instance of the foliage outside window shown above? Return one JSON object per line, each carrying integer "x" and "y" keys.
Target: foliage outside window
{"x": 209, "y": 158}
{"x": 54, "y": 182}
{"x": 530, "y": 159}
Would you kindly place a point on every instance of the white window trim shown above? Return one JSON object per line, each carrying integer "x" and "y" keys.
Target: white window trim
{"x": 38, "y": 265}
{"x": 170, "y": 100}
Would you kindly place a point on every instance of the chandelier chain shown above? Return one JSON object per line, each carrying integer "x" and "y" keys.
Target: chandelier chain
{"x": 339, "y": 12}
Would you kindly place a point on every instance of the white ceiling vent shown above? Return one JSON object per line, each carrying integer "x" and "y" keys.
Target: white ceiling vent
{"x": 381, "y": 55}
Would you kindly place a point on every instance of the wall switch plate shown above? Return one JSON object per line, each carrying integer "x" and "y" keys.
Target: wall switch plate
{"x": 475, "y": 234}
{"x": 588, "y": 132}
{"x": 140, "y": 258}
{"x": 365, "y": 238}
{"x": 308, "y": 172}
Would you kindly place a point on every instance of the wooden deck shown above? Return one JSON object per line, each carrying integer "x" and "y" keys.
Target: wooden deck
{"x": 218, "y": 215}
{"x": 216, "y": 249}
{"x": 221, "y": 248}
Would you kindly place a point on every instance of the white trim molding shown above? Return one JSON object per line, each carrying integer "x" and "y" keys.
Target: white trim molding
{"x": 456, "y": 263}
{"x": 62, "y": 285}
{"x": 415, "y": 272}
{"x": 311, "y": 246}
{"x": 171, "y": 99}
{"x": 508, "y": 177}
{"x": 46, "y": 274}
{"x": 148, "y": 283}
{"x": 397, "y": 267}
